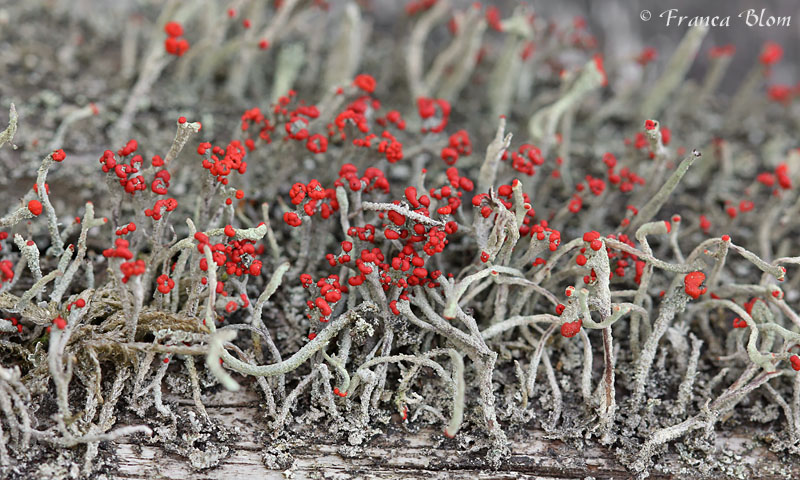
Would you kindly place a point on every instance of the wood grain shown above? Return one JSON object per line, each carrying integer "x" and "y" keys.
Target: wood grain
{"x": 404, "y": 455}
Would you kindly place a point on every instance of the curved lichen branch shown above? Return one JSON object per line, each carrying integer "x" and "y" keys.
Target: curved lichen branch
{"x": 455, "y": 383}
{"x": 760, "y": 359}
{"x": 301, "y": 356}
{"x": 518, "y": 321}
{"x": 454, "y": 292}
{"x": 652, "y": 207}
{"x": 13, "y": 218}
{"x": 411, "y": 215}
{"x": 772, "y": 269}
{"x": 56, "y": 244}
{"x": 657, "y": 263}
{"x": 7, "y": 135}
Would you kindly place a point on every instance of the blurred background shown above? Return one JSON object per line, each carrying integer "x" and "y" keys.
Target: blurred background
{"x": 616, "y": 24}
{"x": 58, "y": 55}
{"x": 621, "y": 32}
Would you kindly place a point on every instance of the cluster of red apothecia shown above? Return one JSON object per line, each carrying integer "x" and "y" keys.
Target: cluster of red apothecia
{"x": 175, "y": 44}
{"x": 238, "y": 257}
{"x": 130, "y": 175}
{"x": 618, "y": 261}
{"x": 296, "y": 117}
{"x": 411, "y": 239}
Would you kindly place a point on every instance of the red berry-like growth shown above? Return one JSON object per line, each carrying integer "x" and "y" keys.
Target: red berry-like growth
{"x": 693, "y": 284}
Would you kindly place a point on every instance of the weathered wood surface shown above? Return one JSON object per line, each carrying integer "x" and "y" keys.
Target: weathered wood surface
{"x": 407, "y": 455}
